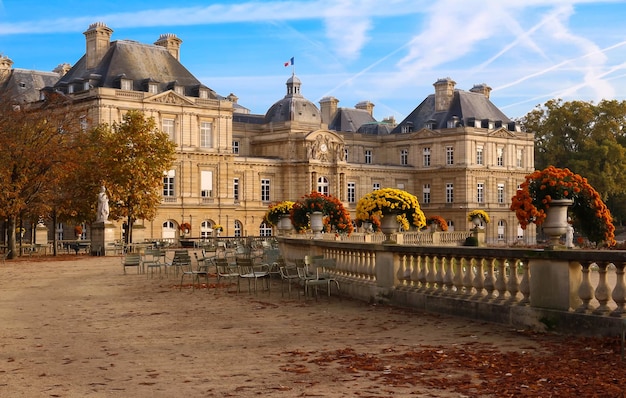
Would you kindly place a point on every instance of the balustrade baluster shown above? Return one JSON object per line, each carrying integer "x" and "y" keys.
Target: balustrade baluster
{"x": 524, "y": 286}
{"x": 489, "y": 282}
{"x": 585, "y": 291}
{"x": 619, "y": 293}
{"x": 447, "y": 277}
{"x": 458, "y": 275}
{"x": 430, "y": 273}
{"x": 603, "y": 291}
{"x": 415, "y": 263}
{"x": 513, "y": 282}
{"x": 479, "y": 280}
{"x": 421, "y": 274}
{"x": 370, "y": 276}
{"x": 439, "y": 262}
{"x": 404, "y": 272}
{"x": 468, "y": 276}
{"x": 500, "y": 284}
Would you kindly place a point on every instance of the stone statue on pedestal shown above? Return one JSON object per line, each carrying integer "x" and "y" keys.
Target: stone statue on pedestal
{"x": 103, "y": 206}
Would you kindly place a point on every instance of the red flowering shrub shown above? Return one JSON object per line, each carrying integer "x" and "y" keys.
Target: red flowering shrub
{"x": 590, "y": 214}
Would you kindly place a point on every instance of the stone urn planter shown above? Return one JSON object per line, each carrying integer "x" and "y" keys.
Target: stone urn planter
{"x": 556, "y": 223}
{"x": 389, "y": 225}
{"x": 317, "y": 224}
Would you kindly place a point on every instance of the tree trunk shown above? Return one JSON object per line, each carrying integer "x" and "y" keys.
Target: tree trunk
{"x": 11, "y": 244}
{"x": 129, "y": 232}
{"x": 54, "y": 233}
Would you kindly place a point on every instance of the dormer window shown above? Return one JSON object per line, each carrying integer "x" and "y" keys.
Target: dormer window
{"x": 452, "y": 123}
{"x": 407, "y": 128}
{"x": 126, "y": 84}
{"x": 70, "y": 88}
{"x": 179, "y": 90}
{"x": 153, "y": 88}
{"x": 203, "y": 93}
{"x": 431, "y": 124}
{"x": 86, "y": 86}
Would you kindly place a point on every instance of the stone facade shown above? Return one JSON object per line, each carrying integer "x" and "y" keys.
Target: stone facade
{"x": 456, "y": 152}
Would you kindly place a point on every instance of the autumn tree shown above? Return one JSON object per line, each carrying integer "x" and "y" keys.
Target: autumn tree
{"x": 36, "y": 151}
{"x": 586, "y": 138}
{"x": 132, "y": 156}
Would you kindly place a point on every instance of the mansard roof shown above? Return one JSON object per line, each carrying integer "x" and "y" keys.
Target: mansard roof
{"x": 140, "y": 63}
{"x": 23, "y": 85}
{"x": 465, "y": 107}
{"x": 350, "y": 119}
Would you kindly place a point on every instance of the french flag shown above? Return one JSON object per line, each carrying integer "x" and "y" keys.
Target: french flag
{"x": 290, "y": 62}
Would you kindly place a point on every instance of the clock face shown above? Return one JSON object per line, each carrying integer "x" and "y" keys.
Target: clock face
{"x": 323, "y": 148}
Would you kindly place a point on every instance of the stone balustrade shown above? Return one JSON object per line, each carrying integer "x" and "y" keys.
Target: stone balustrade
{"x": 573, "y": 291}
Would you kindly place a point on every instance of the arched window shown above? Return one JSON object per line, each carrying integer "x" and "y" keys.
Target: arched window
{"x": 206, "y": 229}
{"x": 238, "y": 228}
{"x": 265, "y": 229}
{"x": 169, "y": 230}
{"x": 322, "y": 185}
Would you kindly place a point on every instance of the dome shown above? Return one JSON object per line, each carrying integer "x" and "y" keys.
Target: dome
{"x": 293, "y": 106}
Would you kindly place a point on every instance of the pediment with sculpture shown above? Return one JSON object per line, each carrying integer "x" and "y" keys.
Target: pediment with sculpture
{"x": 325, "y": 146}
{"x": 170, "y": 97}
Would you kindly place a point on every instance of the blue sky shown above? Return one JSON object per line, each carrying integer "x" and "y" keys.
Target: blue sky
{"x": 387, "y": 52}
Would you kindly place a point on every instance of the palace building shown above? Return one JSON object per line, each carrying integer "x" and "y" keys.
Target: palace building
{"x": 456, "y": 151}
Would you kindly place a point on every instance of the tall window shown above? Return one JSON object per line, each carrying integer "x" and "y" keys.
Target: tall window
{"x": 479, "y": 155}
{"x": 168, "y": 184}
{"x": 519, "y": 161}
{"x": 236, "y": 147}
{"x": 206, "y": 138}
{"x": 322, "y": 185}
{"x": 265, "y": 190}
{"x": 449, "y": 155}
{"x": 426, "y": 156}
{"x": 501, "y": 229}
{"x": 237, "y": 228}
{"x": 351, "y": 192}
{"x": 206, "y": 184}
{"x": 426, "y": 193}
{"x": 500, "y": 156}
{"x": 404, "y": 157}
{"x": 168, "y": 128}
{"x": 236, "y": 188}
{"x": 368, "y": 156}
{"x": 449, "y": 193}
{"x": 376, "y": 186}
{"x": 480, "y": 192}
{"x": 500, "y": 193}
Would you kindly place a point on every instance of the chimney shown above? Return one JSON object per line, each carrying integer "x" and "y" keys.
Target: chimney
{"x": 6, "y": 66}
{"x": 171, "y": 43}
{"x": 98, "y": 41}
{"x": 482, "y": 88}
{"x": 232, "y": 98}
{"x": 328, "y": 106}
{"x": 62, "y": 69}
{"x": 444, "y": 91}
{"x": 366, "y": 106}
